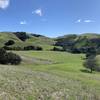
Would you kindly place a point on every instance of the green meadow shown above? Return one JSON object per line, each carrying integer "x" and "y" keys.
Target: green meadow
{"x": 49, "y": 75}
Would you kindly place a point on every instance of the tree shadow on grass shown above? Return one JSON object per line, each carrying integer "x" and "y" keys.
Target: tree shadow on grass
{"x": 85, "y": 71}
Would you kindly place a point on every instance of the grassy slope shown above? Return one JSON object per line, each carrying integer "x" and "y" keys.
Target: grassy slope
{"x": 48, "y": 76}
{"x": 46, "y": 43}
{"x": 82, "y": 41}
{"x": 4, "y": 37}
{"x": 91, "y": 35}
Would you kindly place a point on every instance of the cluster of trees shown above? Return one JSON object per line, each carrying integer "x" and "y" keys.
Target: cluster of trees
{"x": 78, "y": 44}
{"x": 66, "y": 42}
{"x": 33, "y": 48}
{"x": 37, "y": 35}
{"x": 83, "y": 49}
{"x": 18, "y": 48}
{"x": 22, "y": 35}
{"x": 9, "y": 57}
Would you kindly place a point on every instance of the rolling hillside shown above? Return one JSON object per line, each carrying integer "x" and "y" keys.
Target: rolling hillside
{"x": 48, "y": 43}
{"x": 78, "y": 41}
{"x": 48, "y": 75}
{"x": 45, "y": 42}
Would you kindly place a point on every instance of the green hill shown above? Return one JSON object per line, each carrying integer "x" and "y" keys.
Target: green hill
{"x": 5, "y": 36}
{"x": 44, "y": 42}
{"x": 90, "y": 35}
{"x": 82, "y": 40}
{"x": 77, "y": 41}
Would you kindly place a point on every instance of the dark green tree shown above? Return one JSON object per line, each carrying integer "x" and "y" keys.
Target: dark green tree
{"x": 9, "y": 57}
{"x": 22, "y": 35}
{"x": 3, "y": 59}
{"x": 13, "y": 58}
{"x": 9, "y": 42}
{"x": 91, "y": 64}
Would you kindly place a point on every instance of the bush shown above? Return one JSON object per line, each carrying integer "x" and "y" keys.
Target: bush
{"x": 57, "y": 49}
{"x": 13, "y": 48}
{"x": 39, "y": 48}
{"x": 3, "y": 58}
{"x": 29, "y": 48}
{"x": 10, "y": 42}
{"x": 9, "y": 58}
{"x": 13, "y": 58}
{"x": 18, "y": 48}
{"x": 33, "y": 48}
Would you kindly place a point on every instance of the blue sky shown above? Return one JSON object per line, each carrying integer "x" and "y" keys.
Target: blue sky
{"x": 50, "y": 17}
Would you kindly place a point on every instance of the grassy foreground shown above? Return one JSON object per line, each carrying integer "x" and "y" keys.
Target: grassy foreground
{"x": 48, "y": 75}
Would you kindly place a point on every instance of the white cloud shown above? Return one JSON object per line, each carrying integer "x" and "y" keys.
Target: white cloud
{"x": 38, "y": 12}
{"x": 4, "y": 4}
{"x": 23, "y": 22}
{"x": 78, "y": 21}
{"x": 88, "y": 21}
{"x": 84, "y": 21}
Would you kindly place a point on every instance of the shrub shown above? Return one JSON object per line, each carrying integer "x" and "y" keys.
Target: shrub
{"x": 2, "y": 51}
{"x": 7, "y": 48}
{"x": 3, "y": 58}
{"x": 29, "y": 48}
{"x": 39, "y": 48}
{"x": 57, "y": 49}
{"x": 13, "y": 59}
{"x": 9, "y": 57}
{"x": 33, "y": 48}
{"x": 10, "y": 42}
{"x": 13, "y": 48}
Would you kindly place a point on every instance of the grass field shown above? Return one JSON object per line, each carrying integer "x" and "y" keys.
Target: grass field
{"x": 48, "y": 75}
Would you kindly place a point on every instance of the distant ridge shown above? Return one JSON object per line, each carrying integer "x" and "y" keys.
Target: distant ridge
{"x": 79, "y": 40}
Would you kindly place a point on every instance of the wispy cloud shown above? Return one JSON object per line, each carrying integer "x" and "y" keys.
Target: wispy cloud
{"x": 23, "y": 22}
{"x": 4, "y": 4}
{"x": 84, "y": 21}
{"x": 88, "y": 21}
{"x": 78, "y": 21}
{"x": 39, "y": 12}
